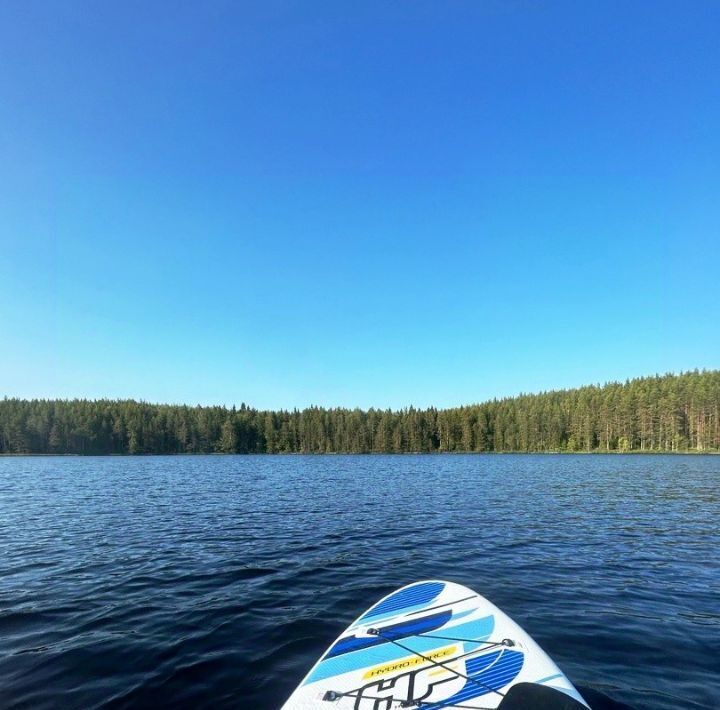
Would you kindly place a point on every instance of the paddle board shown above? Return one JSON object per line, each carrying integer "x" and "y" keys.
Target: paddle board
{"x": 434, "y": 644}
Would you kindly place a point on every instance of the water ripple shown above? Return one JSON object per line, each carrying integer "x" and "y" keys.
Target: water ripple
{"x": 217, "y": 581}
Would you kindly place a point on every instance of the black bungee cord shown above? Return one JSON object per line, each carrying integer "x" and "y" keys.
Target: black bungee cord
{"x": 377, "y": 632}
{"x": 331, "y": 695}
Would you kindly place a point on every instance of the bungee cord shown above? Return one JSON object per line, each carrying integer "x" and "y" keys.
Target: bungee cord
{"x": 491, "y": 644}
{"x": 332, "y": 695}
{"x": 377, "y": 632}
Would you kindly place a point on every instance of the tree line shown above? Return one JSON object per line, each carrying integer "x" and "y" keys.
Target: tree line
{"x": 661, "y": 413}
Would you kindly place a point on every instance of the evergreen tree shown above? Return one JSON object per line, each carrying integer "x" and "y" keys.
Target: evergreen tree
{"x": 668, "y": 413}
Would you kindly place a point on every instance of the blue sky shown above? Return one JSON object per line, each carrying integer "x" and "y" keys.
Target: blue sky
{"x": 356, "y": 204}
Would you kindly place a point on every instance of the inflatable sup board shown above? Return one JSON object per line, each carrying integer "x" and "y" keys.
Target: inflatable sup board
{"x": 435, "y": 645}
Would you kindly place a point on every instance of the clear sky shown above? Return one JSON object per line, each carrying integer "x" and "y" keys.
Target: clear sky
{"x": 369, "y": 203}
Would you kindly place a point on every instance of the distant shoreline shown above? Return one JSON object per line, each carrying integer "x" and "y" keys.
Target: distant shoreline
{"x": 375, "y": 453}
{"x": 661, "y": 414}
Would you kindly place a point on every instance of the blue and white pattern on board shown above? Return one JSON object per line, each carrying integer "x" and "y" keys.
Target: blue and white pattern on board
{"x": 383, "y": 651}
{"x": 433, "y": 643}
{"x": 486, "y": 674}
{"x": 393, "y": 632}
{"x": 415, "y": 596}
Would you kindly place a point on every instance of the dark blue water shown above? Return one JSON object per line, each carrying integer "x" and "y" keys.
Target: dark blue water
{"x": 217, "y": 581}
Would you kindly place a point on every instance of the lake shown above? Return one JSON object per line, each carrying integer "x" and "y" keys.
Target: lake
{"x": 217, "y": 580}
